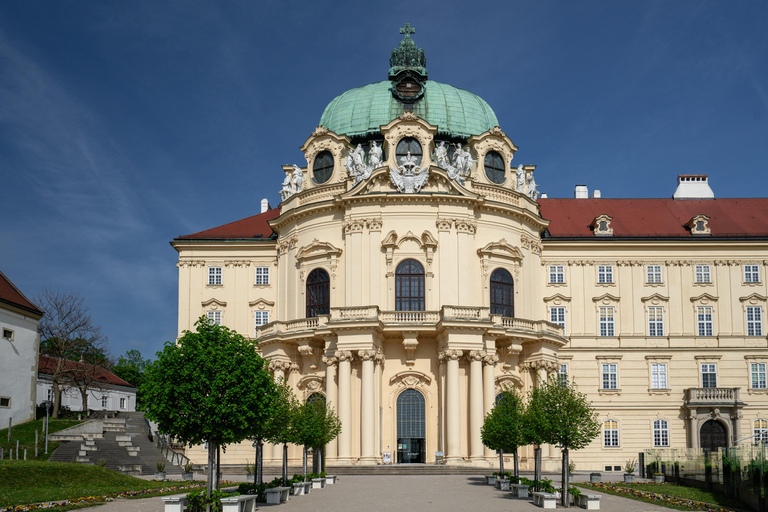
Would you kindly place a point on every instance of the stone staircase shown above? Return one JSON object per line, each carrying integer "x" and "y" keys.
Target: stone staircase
{"x": 123, "y": 443}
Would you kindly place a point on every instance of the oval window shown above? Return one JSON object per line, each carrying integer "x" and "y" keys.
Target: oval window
{"x": 494, "y": 167}
{"x": 322, "y": 169}
{"x": 406, "y": 145}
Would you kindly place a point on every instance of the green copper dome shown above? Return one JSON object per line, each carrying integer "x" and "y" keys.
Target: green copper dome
{"x": 361, "y": 111}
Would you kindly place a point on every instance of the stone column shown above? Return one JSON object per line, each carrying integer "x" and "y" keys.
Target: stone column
{"x": 367, "y": 408}
{"x": 278, "y": 373}
{"x": 475, "y": 358}
{"x": 332, "y": 399}
{"x": 489, "y": 389}
{"x": 736, "y": 424}
{"x": 345, "y": 403}
{"x": 693, "y": 430}
{"x": 452, "y": 406}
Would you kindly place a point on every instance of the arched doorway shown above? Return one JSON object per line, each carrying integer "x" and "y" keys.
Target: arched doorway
{"x": 713, "y": 435}
{"x": 411, "y": 438}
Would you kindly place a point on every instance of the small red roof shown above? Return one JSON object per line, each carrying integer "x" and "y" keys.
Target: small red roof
{"x": 747, "y": 217}
{"x": 251, "y": 227}
{"x": 11, "y": 295}
{"x": 47, "y": 365}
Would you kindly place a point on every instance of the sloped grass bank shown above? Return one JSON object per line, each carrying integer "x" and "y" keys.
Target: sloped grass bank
{"x": 23, "y": 482}
{"x": 669, "y": 495}
{"x": 25, "y": 434}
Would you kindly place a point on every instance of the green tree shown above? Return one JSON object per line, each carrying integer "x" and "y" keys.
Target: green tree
{"x": 503, "y": 428}
{"x": 536, "y": 426}
{"x": 209, "y": 387}
{"x": 316, "y": 424}
{"x": 571, "y": 421}
{"x": 280, "y": 427}
{"x": 132, "y": 367}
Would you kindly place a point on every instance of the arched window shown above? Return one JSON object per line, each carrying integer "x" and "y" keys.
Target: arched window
{"x": 409, "y": 286}
{"x": 499, "y": 398}
{"x": 660, "y": 433}
{"x": 610, "y": 433}
{"x": 494, "y": 167}
{"x": 316, "y": 397}
{"x": 407, "y": 144}
{"x": 318, "y": 294}
{"x": 322, "y": 169}
{"x": 502, "y": 293}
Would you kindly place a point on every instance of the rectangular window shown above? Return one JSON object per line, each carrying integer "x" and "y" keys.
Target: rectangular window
{"x": 606, "y": 322}
{"x": 214, "y": 317}
{"x": 49, "y": 394}
{"x": 104, "y": 402}
{"x": 556, "y": 274}
{"x": 655, "y": 321}
{"x": 262, "y": 275}
{"x": 758, "y": 375}
{"x": 123, "y": 403}
{"x": 659, "y": 375}
{"x": 5, "y": 402}
{"x": 563, "y": 375}
{"x": 214, "y": 275}
{"x": 708, "y": 375}
{"x": 610, "y": 433}
{"x": 653, "y": 274}
{"x": 557, "y": 316}
{"x": 751, "y": 274}
{"x": 8, "y": 334}
{"x": 605, "y": 273}
{"x": 703, "y": 274}
{"x": 754, "y": 321}
{"x": 660, "y": 433}
{"x": 704, "y": 320}
{"x": 262, "y": 318}
{"x": 760, "y": 431}
{"x": 610, "y": 376}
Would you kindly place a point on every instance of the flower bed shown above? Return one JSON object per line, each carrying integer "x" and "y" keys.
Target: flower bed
{"x": 660, "y": 499}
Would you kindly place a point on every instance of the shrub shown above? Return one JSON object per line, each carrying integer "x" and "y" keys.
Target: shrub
{"x": 188, "y": 467}
{"x": 629, "y": 466}
{"x": 574, "y": 491}
{"x": 198, "y": 500}
{"x": 160, "y": 464}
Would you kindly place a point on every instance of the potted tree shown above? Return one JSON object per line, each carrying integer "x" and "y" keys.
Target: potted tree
{"x": 595, "y": 477}
{"x": 187, "y": 474}
{"x": 250, "y": 471}
{"x": 629, "y": 471}
{"x": 160, "y": 473}
{"x": 571, "y": 469}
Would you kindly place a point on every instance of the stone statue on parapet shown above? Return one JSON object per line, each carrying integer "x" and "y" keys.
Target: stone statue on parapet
{"x": 355, "y": 163}
{"x": 461, "y": 166}
{"x": 375, "y": 157}
{"x": 532, "y": 192}
{"x": 520, "y": 174}
{"x": 298, "y": 179}
{"x": 287, "y": 190}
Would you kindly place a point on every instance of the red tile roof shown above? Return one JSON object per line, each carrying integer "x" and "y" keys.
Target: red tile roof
{"x": 746, "y": 217}
{"x": 251, "y": 227}
{"x": 47, "y": 365}
{"x": 11, "y": 295}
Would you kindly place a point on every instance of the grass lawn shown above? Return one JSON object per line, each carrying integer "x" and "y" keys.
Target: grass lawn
{"x": 669, "y": 495}
{"x": 25, "y": 433}
{"x": 23, "y": 482}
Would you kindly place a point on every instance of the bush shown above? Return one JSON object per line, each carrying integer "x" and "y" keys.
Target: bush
{"x": 543, "y": 485}
{"x": 198, "y": 500}
{"x": 629, "y": 466}
{"x": 574, "y": 491}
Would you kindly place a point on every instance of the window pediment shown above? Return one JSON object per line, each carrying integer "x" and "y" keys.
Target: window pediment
{"x": 704, "y": 298}
{"x": 411, "y": 379}
{"x": 754, "y": 298}
{"x": 607, "y": 299}
{"x": 509, "y": 379}
{"x": 261, "y": 303}
{"x": 501, "y": 249}
{"x": 656, "y": 298}
{"x": 318, "y": 249}
{"x": 557, "y": 299}
{"x": 213, "y": 302}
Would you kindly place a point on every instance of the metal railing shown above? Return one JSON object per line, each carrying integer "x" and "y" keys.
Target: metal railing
{"x": 164, "y": 445}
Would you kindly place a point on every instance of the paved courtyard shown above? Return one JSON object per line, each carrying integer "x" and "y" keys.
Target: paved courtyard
{"x": 427, "y": 493}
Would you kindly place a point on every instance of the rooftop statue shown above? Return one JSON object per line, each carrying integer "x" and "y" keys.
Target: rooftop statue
{"x": 520, "y": 173}
{"x": 532, "y": 192}
{"x": 460, "y": 168}
{"x": 407, "y": 179}
{"x": 355, "y": 163}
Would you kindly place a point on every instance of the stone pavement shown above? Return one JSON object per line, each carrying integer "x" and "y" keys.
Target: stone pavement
{"x": 427, "y": 493}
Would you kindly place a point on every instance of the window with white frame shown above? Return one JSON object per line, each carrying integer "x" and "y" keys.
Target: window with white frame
{"x": 8, "y": 334}
{"x": 754, "y": 321}
{"x": 760, "y": 430}
{"x": 123, "y": 403}
{"x": 704, "y": 321}
{"x": 708, "y": 375}
{"x": 556, "y": 274}
{"x": 214, "y": 317}
{"x": 610, "y": 433}
{"x": 557, "y": 316}
{"x": 655, "y": 321}
{"x": 658, "y": 375}
{"x": 607, "y": 327}
{"x": 751, "y": 274}
{"x": 605, "y": 273}
{"x": 104, "y": 402}
{"x": 261, "y": 318}
{"x": 653, "y": 274}
{"x": 610, "y": 373}
{"x": 49, "y": 394}
{"x": 660, "y": 433}
{"x": 562, "y": 375}
{"x": 757, "y": 371}
{"x": 214, "y": 275}
{"x": 703, "y": 274}
{"x": 262, "y": 275}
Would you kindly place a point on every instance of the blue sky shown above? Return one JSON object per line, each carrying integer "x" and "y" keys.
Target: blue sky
{"x": 126, "y": 124}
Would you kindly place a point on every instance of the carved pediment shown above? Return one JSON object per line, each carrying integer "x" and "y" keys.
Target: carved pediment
{"x": 703, "y": 298}
{"x": 509, "y": 380}
{"x": 318, "y": 249}
{"x": 213, "y": 301}
{"x": 606, "y": 298}
{"x": 312, "y": 384}
{"x": 557, "y": 298}
{"x": 392, "y": 240}
{"x": 411, "y": 379}
{"x": 754, "y": 298}
{"x": 655, "y": 298}
{"x": 500, "y": 249}
{"x": 261, "y": 303}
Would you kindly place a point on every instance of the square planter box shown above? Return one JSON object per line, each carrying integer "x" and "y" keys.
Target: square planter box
{"x": 658, "y": 479}
{"x": 595, "y": 478}
{"x": 160, "y": 476}
{"x": 629, "y": 478}
{"x": 187, "y": 476}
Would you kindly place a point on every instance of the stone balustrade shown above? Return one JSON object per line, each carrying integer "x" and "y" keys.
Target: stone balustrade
{"x": 715, "y": 396}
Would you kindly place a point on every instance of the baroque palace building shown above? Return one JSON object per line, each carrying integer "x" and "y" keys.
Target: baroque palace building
{"x": 411, "y": 272}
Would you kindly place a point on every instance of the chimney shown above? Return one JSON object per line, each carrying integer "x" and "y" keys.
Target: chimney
{"x": 595, "y": 194}
{"x": 693, "y": 186}
{"x": 580, "y": 192}
{"x": 264, "y": 205}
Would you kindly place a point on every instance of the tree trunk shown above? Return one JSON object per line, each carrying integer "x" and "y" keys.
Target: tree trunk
{"x": 285, "y": 463}
{"x": 56, "y": 399}
{"x": 218, "y": 466}
{"x": 259, "y": 462}
{"x": 565, "y": 502}
{"x": 537, "y": 463}
{"x": 84, "y": 397}
{"x": 517, "y": 464}
{"x": 501, "y": 463}
{"x": 304, "y": 463}
{"x": 211, "y": 471}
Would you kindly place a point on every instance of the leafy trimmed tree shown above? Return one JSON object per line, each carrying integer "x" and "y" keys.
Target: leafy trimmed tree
{"x": 316, "y": 424}
{"x": 536, "y": 426}
{"x": 503, "y": 428}
{"x": 280, "y": 427}
{"x": 571, "y": 421}
{"x": 209, "y": 387}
